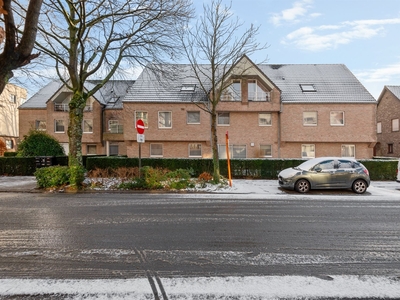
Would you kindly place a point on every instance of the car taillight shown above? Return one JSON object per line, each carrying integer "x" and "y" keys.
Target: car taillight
{"x": 366, "y": 172}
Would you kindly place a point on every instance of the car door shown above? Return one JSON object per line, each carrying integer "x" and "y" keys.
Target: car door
{"x": 324, "y": 174}
{"x": 344, "y": 172}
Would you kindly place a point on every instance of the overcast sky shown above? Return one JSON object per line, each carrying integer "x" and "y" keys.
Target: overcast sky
{"x": 362, "y": 34}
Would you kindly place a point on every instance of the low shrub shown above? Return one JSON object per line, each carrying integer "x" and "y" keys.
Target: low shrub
{"x": 55, "y": 176}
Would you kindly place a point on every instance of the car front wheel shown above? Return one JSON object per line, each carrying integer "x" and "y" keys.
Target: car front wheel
{"x": 302, "y": 186}
{"x": 359, "y": 186}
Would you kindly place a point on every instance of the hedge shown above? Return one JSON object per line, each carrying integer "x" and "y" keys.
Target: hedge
{"x": 379, "y": 169}
{"x": 240, "y": 168}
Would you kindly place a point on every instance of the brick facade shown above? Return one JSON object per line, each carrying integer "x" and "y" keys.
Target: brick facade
{"x": 343, "y": 122}
{"x": 388, "y": 111}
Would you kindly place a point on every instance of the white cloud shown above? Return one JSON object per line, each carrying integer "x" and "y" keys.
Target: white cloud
{"x": 327, "y": 37}
{"x": 293, "y": 14}
{"x": 376, "y": 79}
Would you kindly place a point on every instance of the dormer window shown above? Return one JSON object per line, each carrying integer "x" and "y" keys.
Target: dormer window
{"x": 233, "y": 92}
{"x": 188, "y": 88}
{"x": 257, "y": 92}
{"x": 307, "y": 88}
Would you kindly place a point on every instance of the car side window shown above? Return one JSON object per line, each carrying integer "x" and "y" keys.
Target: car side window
{"x": 345, "y": 164}
{"x": 325, "y": 165}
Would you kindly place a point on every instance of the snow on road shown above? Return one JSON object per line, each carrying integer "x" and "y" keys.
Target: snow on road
{"x": 269, "y": 287}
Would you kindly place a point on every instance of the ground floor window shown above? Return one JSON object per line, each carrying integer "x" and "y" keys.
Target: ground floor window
{"x": 91, "y": 150}
{"x": 194, "y": 150}
{"x": 265, "y": 150}
{"x": 156, "y": 150}
{"x": 235, "y": 151}
{"x": 59, "y": 126}
{"x": 9, "y": 144}
{"x": 348, "y": 151}
{"x": 113, "y": 149}
{"x": 308, "y": 151}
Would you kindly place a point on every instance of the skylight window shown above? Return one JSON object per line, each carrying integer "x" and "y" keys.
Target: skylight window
{"x": 307, "y": 88}
{"x": 188, "y": 87}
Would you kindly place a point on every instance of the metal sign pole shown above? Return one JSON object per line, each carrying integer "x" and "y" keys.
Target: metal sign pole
{"x": 140, "y": 159}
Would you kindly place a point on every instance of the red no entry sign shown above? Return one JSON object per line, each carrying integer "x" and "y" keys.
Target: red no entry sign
{"x": 140, "y": 126}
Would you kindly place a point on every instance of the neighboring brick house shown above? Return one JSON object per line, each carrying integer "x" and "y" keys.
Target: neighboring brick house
{"x": 387, "y": 122}
{"x": 278, "y": 111}
{"x": 269, "y": 111}
{"x": 11, "y": 97}
{"x": 102, "y": 123}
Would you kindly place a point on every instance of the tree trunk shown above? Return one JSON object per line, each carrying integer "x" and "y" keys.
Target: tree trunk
{"x": 76, "y": 107}
{"x": 216, "y": 174}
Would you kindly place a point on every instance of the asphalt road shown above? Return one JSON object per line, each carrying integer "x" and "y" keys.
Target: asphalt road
{"x": 153, "y": 236}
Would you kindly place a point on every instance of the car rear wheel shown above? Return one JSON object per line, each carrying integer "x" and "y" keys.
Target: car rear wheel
{"x": 359, "y": 186}
{"x": 302, "y": 186}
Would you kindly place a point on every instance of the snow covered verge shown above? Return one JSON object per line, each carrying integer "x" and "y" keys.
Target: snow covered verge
{"x": 250, "y": 287}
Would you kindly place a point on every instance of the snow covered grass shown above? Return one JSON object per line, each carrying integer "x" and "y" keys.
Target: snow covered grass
{"x": 231, "y": 287}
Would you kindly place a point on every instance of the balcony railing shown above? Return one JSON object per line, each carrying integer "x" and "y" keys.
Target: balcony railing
{"x": 65, "y": 107}
{"x": 61, "y": 107}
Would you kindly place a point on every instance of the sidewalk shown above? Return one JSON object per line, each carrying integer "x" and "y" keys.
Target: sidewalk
{"x": 27, "y": 184}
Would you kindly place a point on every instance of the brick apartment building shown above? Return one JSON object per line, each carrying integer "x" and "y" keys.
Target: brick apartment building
{"x": 11, "y": 97}
{"x": 387, "y": 126}
{"x": 269, "y": 111}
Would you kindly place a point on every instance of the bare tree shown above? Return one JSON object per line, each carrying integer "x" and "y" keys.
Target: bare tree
{"x": 212, "y": 49}
{"x": 95, "y": 39}
{"x": 18, "y": 46}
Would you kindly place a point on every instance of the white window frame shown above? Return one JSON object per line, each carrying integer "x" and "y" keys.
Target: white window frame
{"x": 347, "y": 149}
{"x": 195, "y": 150}
{"x": 379, "y": 127}
{"x": 395, "y": 124}
{"x": 115, "y": 127}
{"x": 233, "y": 151}
{"x": 89, "y": 123}
{"x": 259, "y": 94}
{"x": 308, "y": 151}
{"x": 153, "y": 149}
{"x": 310, "y": 118}
{"x": 142, "y": 115}
{"x": 55, "y": 126}
{"x": 264, "y": 148}
{"x": 231, "y": 94}
{"x": 336, "y": 121}
{"x": 189, "y": 120}
{"x": 222, "y": 118}
{"x": 162, "y": 120}
{"x": 9, "y": 144}
{"x": 265, "y": 116}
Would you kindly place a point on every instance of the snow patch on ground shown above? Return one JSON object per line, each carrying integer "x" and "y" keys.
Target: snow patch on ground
{"x": 250, "y": 287}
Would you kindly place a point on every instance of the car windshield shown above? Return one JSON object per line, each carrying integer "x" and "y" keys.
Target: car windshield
{"x": 307, "y": 165}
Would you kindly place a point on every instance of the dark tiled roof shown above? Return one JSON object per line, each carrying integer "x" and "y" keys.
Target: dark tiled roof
{"x": 333, "y": 84}
{"x": 40, "y": 99}
{"x": 152, "y": 87}
{"x": 110, "y": 95}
